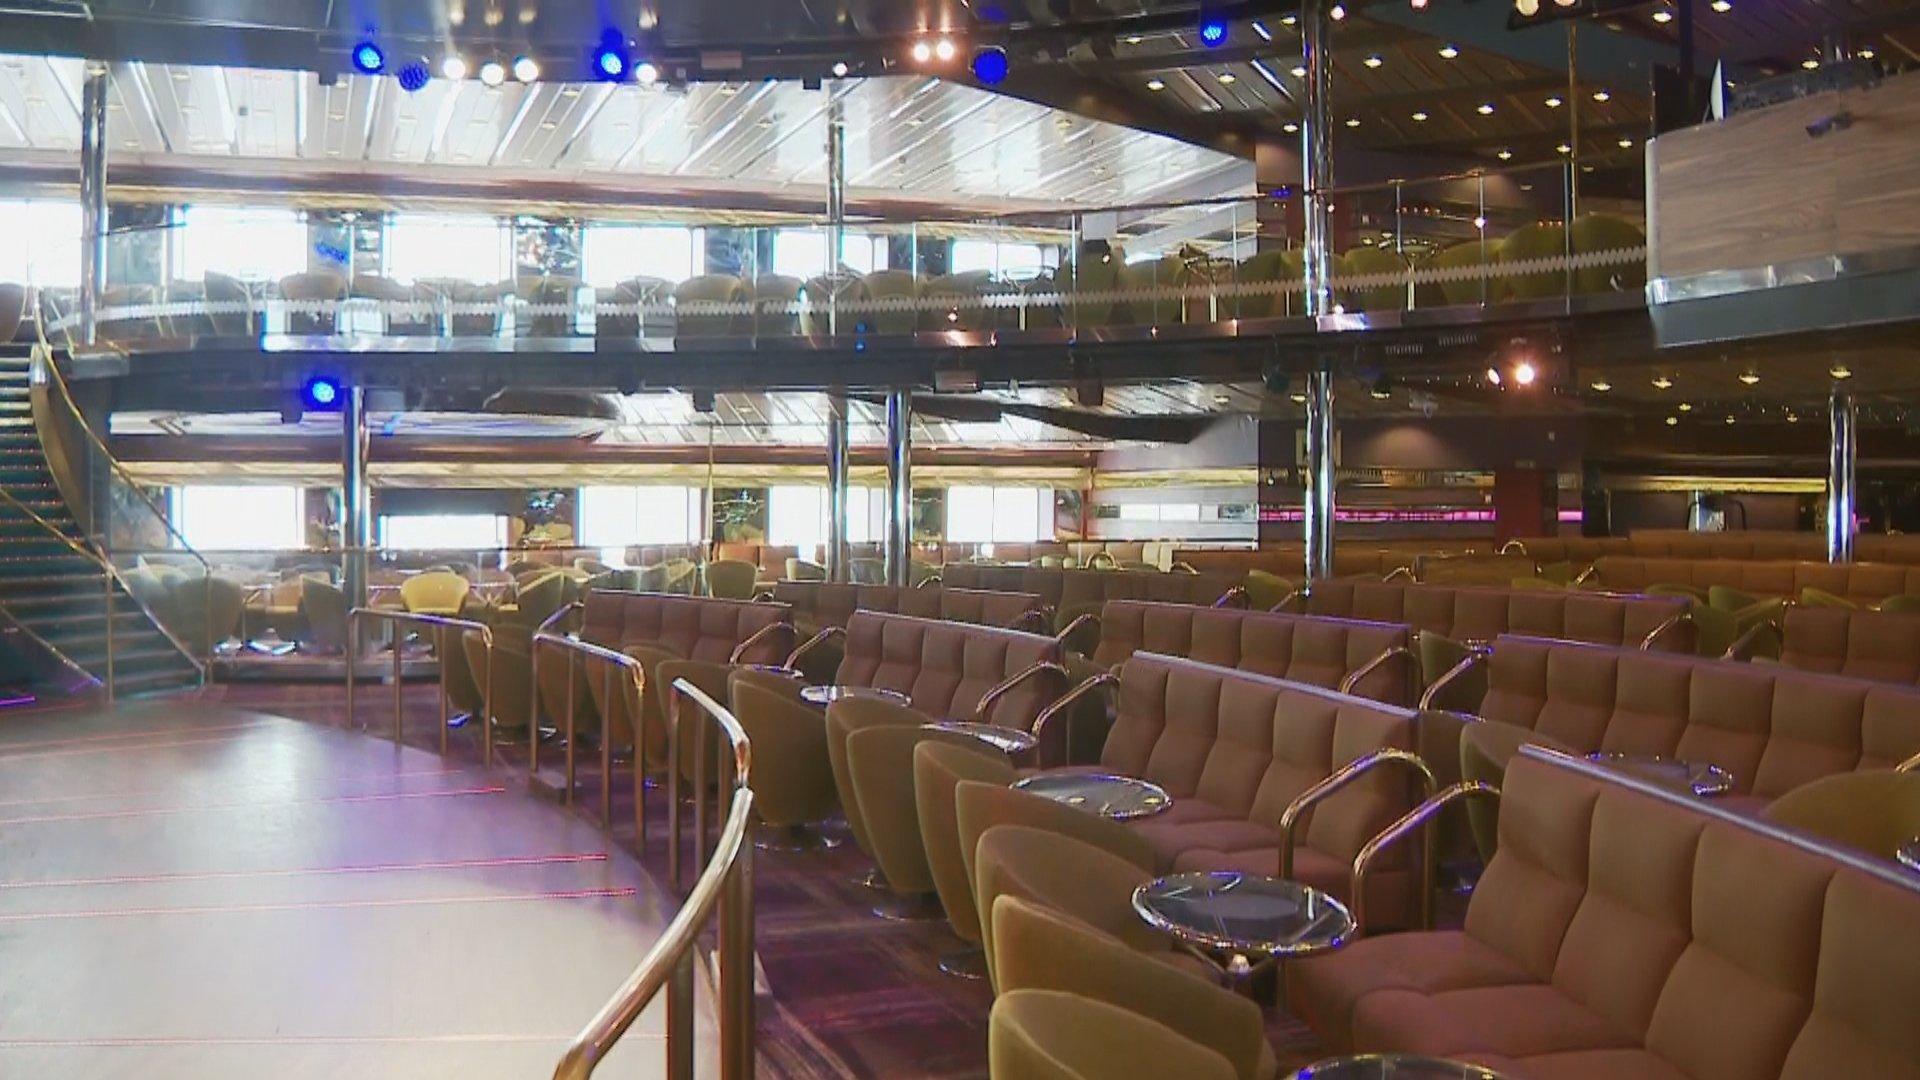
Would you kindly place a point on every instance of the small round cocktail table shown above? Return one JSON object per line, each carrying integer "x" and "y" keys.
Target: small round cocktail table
{"x": 1009, "y": 741}
{"x": 1393, "y": 1067}
{"x": 1243, "y": 922}
{"x": 827, "y": 695}
{"x": 1701, "y": 778}
{"x": 1121, "y": 798}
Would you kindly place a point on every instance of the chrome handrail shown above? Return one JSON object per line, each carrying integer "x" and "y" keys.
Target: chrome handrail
{"x": 1083, "y": 619}
{"x": 1033, "y": 621}
{"x": 43, "y": 361}
{"x": 614, "y": 660}
{"x": 740, "y": 651}
{"x": 1352, "y": 678}
{"x": 110, "y": 574}
{"x": 1475, "y": 656}
{"x": 1340, "y": 778}
{"x": 1740, "y": 649}
{"x": 1285, "y": 606}
{"x": 983, "y": 709}
{"x": 1684, "y": 617}
{"x": 440, "y": 624}
{"x": 1399, "y": 572}
{"x": 826, "y": 634}
{"x": 726, "y": 883}
{"x": 1235, "y": 597}
{"x": 1515, "y": 546}
{"x": 1063, "y": 706}
{"x": 1413, "y": 819}
{"x": 551, "y": 626}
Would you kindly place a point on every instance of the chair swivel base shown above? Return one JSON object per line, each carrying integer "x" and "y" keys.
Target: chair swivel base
{"x": 968, "y": 963}
{"x": 795, "y": 838}
{"x": 909, "y": 907}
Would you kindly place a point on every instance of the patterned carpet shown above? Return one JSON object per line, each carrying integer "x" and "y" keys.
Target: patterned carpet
{"x": 852, "y": 995}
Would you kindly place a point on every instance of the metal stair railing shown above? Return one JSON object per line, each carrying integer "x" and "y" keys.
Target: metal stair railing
{"x": 45, "y": 370}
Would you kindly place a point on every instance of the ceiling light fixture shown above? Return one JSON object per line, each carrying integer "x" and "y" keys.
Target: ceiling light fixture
{"x": 1563, "y": 148}
{"x": 840, "y": 69}
{"x": 1213, "y": 31}
{"x": 1505, "y": 155}
{"x": 1448, "y": 52}
{"x": 526, "y": 69}
{"x": 1526, "y": 9}
{"x": 1290, "y": 128}
{"x": 1721, "y": 6}
{"x": 1602, "y": 96}
{"x": 1749, "y": 377}
{"x": 921, "y": 52}
{"x": 1663, "y": 16}
{"x": 493, "y": 73}
{"x": 368, "y": 59}
{"x": 1865, "y": 54}
{"x": 1524, "y": 373}
{"x": 1227, "y": 78}
{"x": 1625, "y": 144}
{"x": 1672, "y": 420}
{"x": 647, "y": 74}
{"x": 1600, "y": 386}
{"x": 1156, "y": 85}
{"x": 1420, "y": 117}
{"x": 1353, "y": 121}
{"x": 944, "y": 50}
{"x": 1485, "y": 108}
{"x": 1840, "y": 371}
{"x": 1298, "y": 71}
{"x": 1661, "y": 382}
{"x": 1339, "y": 12}
{"x": 453, "y": 68}
{"x": 1810, "y": 64}
{"x": 1554, "y": 102}
{"x": 990, "y": 66}
{"x": 1685, "y": 406}
{"x": 1493, "y": 376}
{"x": 1374, "y": 61}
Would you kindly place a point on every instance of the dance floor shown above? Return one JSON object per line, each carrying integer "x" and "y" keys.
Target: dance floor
{"x": 189, "y": 889}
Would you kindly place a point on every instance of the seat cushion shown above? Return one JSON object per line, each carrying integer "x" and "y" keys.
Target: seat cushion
{"x": 1325, "y": 990}
{"x": 1195, "y": 823}
{"x": 1516, "y": 1020}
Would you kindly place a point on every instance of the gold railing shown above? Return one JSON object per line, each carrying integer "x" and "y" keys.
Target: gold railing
{"x": 726, "y": 883}
{"x": 440, "y": 625}
{"x": 1340, "y": 778}
{"x": 614, "y": 665}
{"x": 1413, "y": 819}
{"x": 44, "y": 368}
{"x": 109, "y": 576}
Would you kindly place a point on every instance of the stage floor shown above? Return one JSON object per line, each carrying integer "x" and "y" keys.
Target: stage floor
{"x": 192, "y": 890}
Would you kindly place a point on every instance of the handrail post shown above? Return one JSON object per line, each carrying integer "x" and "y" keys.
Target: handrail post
{"x": 486, "y": 697}
{"x": 680, "y": 1019}
{"x": 736, "y": 968}
{"x": 674, "y": 815}
{"x": 441, "y": 639}
{"x": 572, "y": 729}
{"x": 399, "y": 690}
{"x": 353, "y": 656}
{"x": 606, "y": 745}
{"x": 107, "y": 578}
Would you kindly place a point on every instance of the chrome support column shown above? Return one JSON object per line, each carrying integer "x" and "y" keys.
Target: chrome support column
{"x": 93, "y": 198}
{"x": 1316, "y": 164}
{"x": 837, "y": 568}
{"x": 1320, "y": 479}
{"x": 899, "y": 488}
{"x": 356, "y": 526}
{"x": 836, "y": 201}
{"x": 1843, "y": 453}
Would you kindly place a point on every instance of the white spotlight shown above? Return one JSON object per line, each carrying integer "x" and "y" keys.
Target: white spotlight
{"x": 493, "y": 73}
{"x": 453, "y": 68}
{"x": 526, "y": 68}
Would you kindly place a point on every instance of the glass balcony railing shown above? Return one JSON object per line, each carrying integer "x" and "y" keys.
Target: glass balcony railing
{"x": 1484, "y": 238}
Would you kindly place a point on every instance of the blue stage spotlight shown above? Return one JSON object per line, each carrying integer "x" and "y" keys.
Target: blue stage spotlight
{"x": 990, "y": 65}
{"x": 611, "y": 62}
{"x": 368, "y": 59}
{"x": 322, "y": 392}
{"x": 414, "y": 75}
{"x": 1213, "y": 31}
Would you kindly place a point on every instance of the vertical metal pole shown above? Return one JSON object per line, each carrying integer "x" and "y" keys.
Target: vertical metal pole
{"x": 836, "y": 201}
{"x": 736, "y": 968}
{"x": 680, "y": 1019}
{"x": 837, "y": 489}
{"x": 1573, "y": 132}
{"x": 399, "y": 686}
{"x": 573, "y": 697}
{"x": 356, "y": 526}
{"x": 107, "y": 575}
{"x": 1316, "y": 162}
{"x": 1843, "y": 453}
{"x": 93, "y": 198}
{"x": 1320, "y": 480}
{"x": 442, "y": 641}
{"x": 899, "y": 488}
{"x": 606, "y": 740}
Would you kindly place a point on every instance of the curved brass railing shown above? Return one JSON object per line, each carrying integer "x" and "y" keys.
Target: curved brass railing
{"x": 726, "y": 883}
{"x": 611, "y": 661}
{"x": 110, "y": 576}
{"x": 43, "y": 367}
{"x": 440, "y": 624}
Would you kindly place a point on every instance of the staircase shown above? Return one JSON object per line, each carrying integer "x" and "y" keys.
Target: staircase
{"x": 54, "y": 591}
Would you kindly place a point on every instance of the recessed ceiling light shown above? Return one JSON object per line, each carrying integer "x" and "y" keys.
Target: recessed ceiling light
{"x": 1721, "y": 6}
{"x": 1810, "y": 63}
{"x": 1505, "y": 155}
{"x": 944, "y": 49}
{"x": 1601, "y": 386}
{"x": 1227, "y": 78}
{"x": 526, "y": 69}
{"x": 1554, "y": 102}
{"x": 1480, "y": 222}
{"x": 1288, "y": 20}
{"x": 1602, "y": 96}
{"x": 1749, "y": 377}
{"x": 1290, "y": 128}
{"x": 921, "y": 52}
{"x": 1420, "y": 117}
{"x": 1684, "y": 407}
{"x": 1840, "y": 371}
{"x": 1485, "y": 108}
{"x": 1339, "y": 12}
{"x": 1672, "y": 420}
{"x": 1792, "y": 418}
{"x": 1729, "y": 419}
{"x": 1661, "y": 382}
{"x": 1353, "y": 121}
{"x": 1156, "y": 84}
{"x": 1865, "y": 54}
{"x": 1448, "y": 52}
{"x": 1298, "y": 397}
{"x": 1663, "y": 16}
{"x": 1626, "y": 144}
{"x": 1133, "y": 39}
{"x": 840, "y": 69}
{"x": 1564, "y": 148}
{"x": 1297, "y": 71}
{"x": 1373, "y": 61}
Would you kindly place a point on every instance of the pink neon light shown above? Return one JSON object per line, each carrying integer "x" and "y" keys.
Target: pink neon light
{"x": 317, "y": 905}
{"x": 315, "y": 871}
{"x": 163, "y": 811}
{"x": 97, "y": 795}
{"x": 76, "y": 740}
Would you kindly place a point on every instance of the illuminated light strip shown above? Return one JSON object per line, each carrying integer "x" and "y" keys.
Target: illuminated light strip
{"x": 444, "y": 770}
{"x": 316, "y": 871}
{"x": 7, "y": 749}
{"x": 330, "y": 800}
{"x": 83, "y": 750}
{"x": 319, "y": 905}
{"x": 160, "y": 1042}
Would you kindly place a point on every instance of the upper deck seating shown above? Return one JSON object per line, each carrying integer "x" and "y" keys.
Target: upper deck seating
{"x": 1370, "y": 659}
{"x": 1072, "y": 593}
{"x": 1234, "y": 748}
{"x": 1771, "y": 727}
{"x": 1622, "y": 930}
{"x": 1858, "y": 583}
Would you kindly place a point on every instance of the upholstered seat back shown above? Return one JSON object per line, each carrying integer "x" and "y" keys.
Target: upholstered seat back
{"x": 1722, "y": 945}
{"x": 823, "y": 604}
{"x": 1303, "y": 648}
{"x": 1072, "y": 592}
{"x": 947, "y": 667}
{"x": 1863, "y": 583}
{"x": 1882, "y": 646}
{"x": 1773, "y": 728}
{"x": 770, "y": 558}
{"x": 1475, "y": 613}
{"x": 693, "y": 627}
{"x": 1249, "y": 744}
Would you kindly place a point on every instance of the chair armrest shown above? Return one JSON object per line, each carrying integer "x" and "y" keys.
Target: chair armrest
{"x": 1032, "y": 621}
{"x": 1183, "y": 567}
{"x": 1385, "y": 656}
{"x": 1234, "y": 597}
{"x": 1399, "y": 572}
{"x": 1287, "y": 603}
{"x": 1477, "y": 656}
{"x": 765, "y": 633}
{"x": 983, "y": 712}
{"x": 1586, "y": 575}
{"x": 1387, "y": 837}
{"x": 1684, "y": 617}
{"x": 1064, "y": 705}
{"x": 1743, "y": 646}
{"x": 1340, "y": 778}
{"x": 1070, "y": 632}
{"x": 826, "y": 634}
{"x": 1512, "y": 547}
